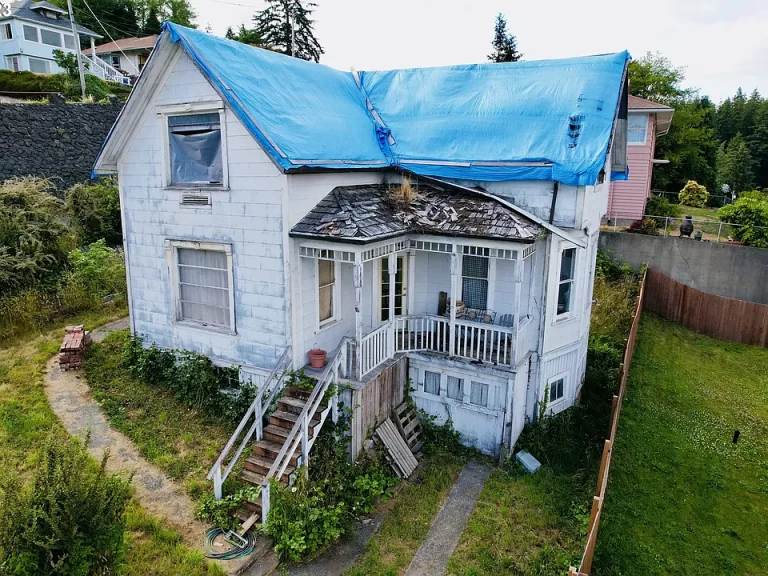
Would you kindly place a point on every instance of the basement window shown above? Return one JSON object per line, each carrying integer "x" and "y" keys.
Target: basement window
{"x": 195, "y": 149}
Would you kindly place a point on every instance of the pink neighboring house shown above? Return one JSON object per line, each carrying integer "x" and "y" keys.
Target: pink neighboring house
{"x": 645, "y": 121}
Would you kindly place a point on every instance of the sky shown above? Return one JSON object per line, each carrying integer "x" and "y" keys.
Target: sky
{"x": 722, "y": 44}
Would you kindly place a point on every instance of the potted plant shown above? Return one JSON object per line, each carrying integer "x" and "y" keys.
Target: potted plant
{"x": 317, "y": 357}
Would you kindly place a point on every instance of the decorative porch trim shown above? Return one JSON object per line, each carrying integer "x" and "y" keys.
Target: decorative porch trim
{"x": 326, "y": 254}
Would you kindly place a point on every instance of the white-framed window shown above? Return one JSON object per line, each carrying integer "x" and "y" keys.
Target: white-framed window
{"x": 39, "y": 66}
{"x": 589, "y": 288}
{"x": 6, "y": 31}
{"x": 31, "y": 34}
{"x": 432, "y": 382}
{"x": 203, "y": 283}
{"x": 327, "y": 292}
{"x": 12, "y": 63}
{"x": 195, "y": 145}
{"x": 637, "y": 126}
{"x": 50, "y": 38}
{"x": 115, "y": 60}
{"x": 566, "y": 286}
{"x": 455, "y": 388}
{"x": 474, "y": 281}
{"x": 556, "y": 387}
{"x": 478, "y": 394}
{"x": 69, "y": 42}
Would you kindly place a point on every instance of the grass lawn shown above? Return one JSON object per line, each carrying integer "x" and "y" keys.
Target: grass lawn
{"x": 180, "y": 440}
{"x": 700, "y": 213}
{"x": 25, "y": 422}
{"x": 413, "y": 509}
{"x": 682, "y": 498}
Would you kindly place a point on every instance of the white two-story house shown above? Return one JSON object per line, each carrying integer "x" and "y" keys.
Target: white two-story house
{"x": 31, "y": 30}
{"x": 265, "y": 215}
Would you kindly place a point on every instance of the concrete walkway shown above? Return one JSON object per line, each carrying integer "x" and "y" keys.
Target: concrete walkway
{"x": 72, "y": 402}
{"x": 432, "y": 556}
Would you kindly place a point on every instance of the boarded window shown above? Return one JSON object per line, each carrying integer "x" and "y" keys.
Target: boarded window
{"x": 479, "y": 394}
{"x": 195, "y": 149}
{"x": 204, "y": 287}
{"x": 474, "y": 282}
{"x": 432, "y": 382}
{"x": 566, "y": 283}
{"x": 50, "y": 37}
{"x": 456, "y": 388}
{"x": 30, "y": 34}
{"x": 556, "y": 390}
{"x": 326, "y": 283}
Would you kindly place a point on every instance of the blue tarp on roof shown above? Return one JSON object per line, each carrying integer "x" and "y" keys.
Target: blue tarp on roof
{"x": 542, "y": 120}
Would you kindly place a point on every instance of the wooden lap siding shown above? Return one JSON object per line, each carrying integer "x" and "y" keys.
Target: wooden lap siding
{"x": 627, "y": 197}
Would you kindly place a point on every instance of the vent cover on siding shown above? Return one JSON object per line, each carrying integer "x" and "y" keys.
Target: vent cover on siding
{"x": 195, "y": 199}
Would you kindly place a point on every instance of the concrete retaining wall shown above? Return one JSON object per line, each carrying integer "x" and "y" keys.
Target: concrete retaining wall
{"x": 726, "y": 270}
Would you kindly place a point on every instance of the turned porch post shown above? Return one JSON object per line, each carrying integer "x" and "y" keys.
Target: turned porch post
{"x": 453, "y": 296}
{"x": 358, "y": 277}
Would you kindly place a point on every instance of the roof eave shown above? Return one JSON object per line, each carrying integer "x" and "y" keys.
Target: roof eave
{"x": 365, "y": 241}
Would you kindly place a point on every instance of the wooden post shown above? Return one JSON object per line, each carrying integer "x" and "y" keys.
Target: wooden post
{"x": 335, "y": 398}
{"x": 519, "y": 267}
{"x": 603, "y": 463}
{"x": 358, "y": 278}
{"x": 264, "y": 502}
{"x": 453, "y": 296}
{"x": 217, "y": 484}
{"x": 304, "y": 442}
{"x": 594, "y": 522}
{"x": 259, "y": 423}
{"x": 392, "y": 264}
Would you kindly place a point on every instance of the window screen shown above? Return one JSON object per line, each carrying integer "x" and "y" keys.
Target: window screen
{"x": 432, "y": 382}
{"x": 456, "y": 388}
{"x": 636, "y": 128}
{"x": 6, "y": 32}
{"x": 556, "y": 390}
{"x": 195, "y": 149}
{"x": 38, "y": 66}
{"x": 479, "y": 394}
{"x": 30, "y": 34}
{"x": 474, "y": 282}
{"x": 326, "y": 278}
{"x": 50, "y": 37}
{"x": 204, "y": 286}
{"x": 566, "y": 283}
{"x": 69, "y": 41}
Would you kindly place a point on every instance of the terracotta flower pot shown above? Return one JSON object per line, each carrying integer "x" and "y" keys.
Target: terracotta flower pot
{"x": 317, "y": 358}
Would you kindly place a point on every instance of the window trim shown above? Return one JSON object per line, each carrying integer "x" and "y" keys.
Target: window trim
{"x": 571, "y": 312}
{"x": 210, "y": 107}
{"x": 548, "y": 388}
{"x": 490, "y": 296}
{"x": 49, "y": 31}
{"x": 645, "y": 133}
{"x": 172, "y": 257}
{"x": 8, "y": 36}
{"x": 10, "y": 59}
{"x": 377, "y": 271}
{"x": 335, "y": 312}
{"x": 46, "y": 62}
{"x": 24, "y": 33}
{"x": 64, "y": 37}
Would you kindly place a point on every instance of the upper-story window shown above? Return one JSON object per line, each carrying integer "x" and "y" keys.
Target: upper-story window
{"x": 6, "y": 32}
{"x": 69, "y": 41}
{"x": 195, "y": 149}
{"x": 566, "y": 282}
{"x": 50, "y": 38}
{"x": 30, "y": 34}
{"x": 637, "y": 126}
{"x": 474, "y": 282}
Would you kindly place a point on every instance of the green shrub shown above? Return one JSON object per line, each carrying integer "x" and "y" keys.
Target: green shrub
{"x": 94, "y": 210}
{"x": 693, "y": 194}
{"x": 33, "y": 238}
{"x": 68, "y": 520}
{"x": 755, "y": 195}
{"x": 101, "y": 270}
{"x": 219, "y": 513}
{"x": 70, "y": 87}
{"x": 606, "y": 267}
{"x": 663, "y": 208}
{"x": 644, "y": 226}
{"x": 751, "y": 215}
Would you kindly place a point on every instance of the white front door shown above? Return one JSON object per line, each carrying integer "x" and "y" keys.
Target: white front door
{"x": 400, "y": 288}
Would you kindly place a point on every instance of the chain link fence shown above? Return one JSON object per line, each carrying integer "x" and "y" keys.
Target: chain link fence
{"x": 713, "y": 200}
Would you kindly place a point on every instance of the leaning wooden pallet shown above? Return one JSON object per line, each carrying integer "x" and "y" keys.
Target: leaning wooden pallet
{"x": 399, "y": 454}
{"x": 409, "y": 424}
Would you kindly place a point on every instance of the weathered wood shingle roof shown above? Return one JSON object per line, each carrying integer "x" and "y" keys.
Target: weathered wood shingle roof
{"x": 373, "y": 212}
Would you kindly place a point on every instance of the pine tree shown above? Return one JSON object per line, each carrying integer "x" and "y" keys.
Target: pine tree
{"x": 285, "y": 26}
{"x": 737, "y": 166}
{"x": 504, "y": 44}
{"x": 152, "y": 24}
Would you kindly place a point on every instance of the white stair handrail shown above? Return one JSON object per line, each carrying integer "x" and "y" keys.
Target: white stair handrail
{"x": 256, "y": 410}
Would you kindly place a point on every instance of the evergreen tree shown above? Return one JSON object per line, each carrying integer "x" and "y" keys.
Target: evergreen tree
{"x": 152, "y": 24}
{"x": 118, "y": 16}
{"x": 736, "y": 167}
{"x": 504, "y": 44}
{"x": 229, "y": 34}
{"x": 285, "y": 26}
{"x": 244, "y": 35}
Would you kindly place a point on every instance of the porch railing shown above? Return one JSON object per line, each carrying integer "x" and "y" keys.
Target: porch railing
{"x": 376, "y": 348}
{"x": 416, "y": 333}
{"x": 484, "y": 342}
{"x": 264, "y": 398}
{"x": 103, "y": 70}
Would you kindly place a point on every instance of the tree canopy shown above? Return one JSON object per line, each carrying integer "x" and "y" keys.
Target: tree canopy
{"x": 504, "y": 44}
{"x": 245, "y": 35}
{"x": 286, "y": 26}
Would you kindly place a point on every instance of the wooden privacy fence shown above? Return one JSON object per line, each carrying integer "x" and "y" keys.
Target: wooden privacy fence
{"x": 605, "y": 463}
{"x": 716, "y": 316}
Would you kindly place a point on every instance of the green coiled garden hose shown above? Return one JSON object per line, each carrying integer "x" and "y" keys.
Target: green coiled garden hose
{"x": 231, "y": 554}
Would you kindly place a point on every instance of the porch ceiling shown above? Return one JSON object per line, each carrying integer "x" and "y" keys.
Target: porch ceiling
{"x": 362, "y": 214}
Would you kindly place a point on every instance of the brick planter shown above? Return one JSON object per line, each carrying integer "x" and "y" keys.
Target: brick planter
{"x": 72, "y": 350}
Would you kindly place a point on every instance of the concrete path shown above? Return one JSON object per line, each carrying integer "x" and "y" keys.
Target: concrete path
{"x": 72, "y": 402}
{"x": 432, "y": 556}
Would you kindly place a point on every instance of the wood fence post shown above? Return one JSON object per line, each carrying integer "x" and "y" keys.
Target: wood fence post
{"x": 601, "y": 479}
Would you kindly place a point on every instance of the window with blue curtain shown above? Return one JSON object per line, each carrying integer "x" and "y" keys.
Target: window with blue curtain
{"x": 195, "y": 149}
{"x": 474, "y": 282}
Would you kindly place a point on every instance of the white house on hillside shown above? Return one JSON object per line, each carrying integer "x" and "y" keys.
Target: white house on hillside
{"x": 264, "y": 216}
{"x": 128, "y": 55}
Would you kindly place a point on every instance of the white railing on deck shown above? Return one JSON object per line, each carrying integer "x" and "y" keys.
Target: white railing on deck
{"x": 376, "y": 347}
{"x": 415, "y": 333}
{"x": 99, "y": 68}
{"x": 484, "y": 342}
{"x": 300, "y": 432}
{"x": 527, "y": 337}
{"x": 264, "y": 397}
